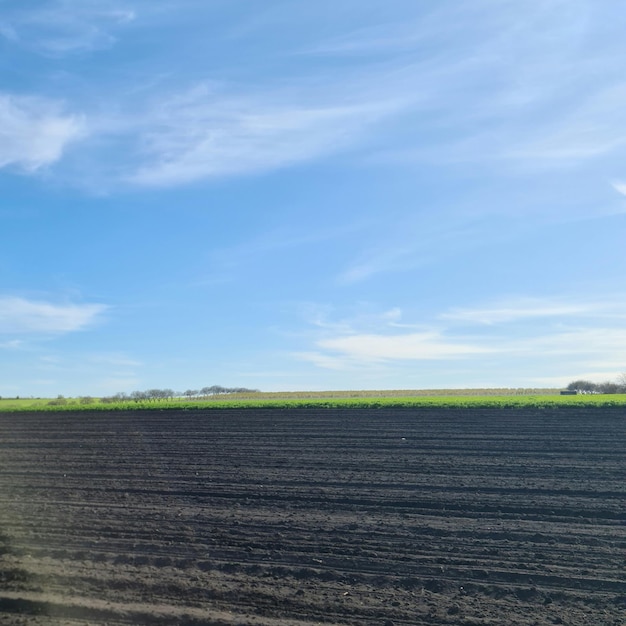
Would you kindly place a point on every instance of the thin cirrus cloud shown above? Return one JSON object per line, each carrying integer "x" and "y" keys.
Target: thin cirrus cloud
{"x": 200, "y": 133}
{"x": 204, "y": 135}
{"x": 407, "y": 346}
{"x": 19, "y": 316}
{"x": 602, "y": 344}
{"x": 238, "y": 129}
{"x": 585, "y": 348}
{"x": 12, "y": 344}
{"x": 520, "y": 309}
{"x": 60, "y": 27}
{"x": 620, "y": 187}
{"x": 367, "y": 339}
{"x": 34, "y": 132}
{"x": 408, "y": 243}
{"x": 590, "y": 335}
{"x": 597, "y": 126}
{"x": 515, "y": 118}
{"x": 366, "y": 350}
{"x": 393, "y": 258}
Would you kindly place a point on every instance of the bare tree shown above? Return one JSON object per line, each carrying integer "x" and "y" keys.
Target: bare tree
{"x": 608, "y": 387}
{"x": 582, "y": 386}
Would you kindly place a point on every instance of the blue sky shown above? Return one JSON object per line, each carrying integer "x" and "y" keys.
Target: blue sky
{"x": 295, "y": 195}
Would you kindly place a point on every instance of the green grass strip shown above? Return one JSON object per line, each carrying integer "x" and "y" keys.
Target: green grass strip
{"x": 277, "y": 403}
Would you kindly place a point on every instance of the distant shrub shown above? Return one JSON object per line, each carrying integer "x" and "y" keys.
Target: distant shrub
{"x": 60, "y": 401}
{"x": 581, "y": 386}
{"x": 118, "y": 397}
{"x": 586, "y": 386}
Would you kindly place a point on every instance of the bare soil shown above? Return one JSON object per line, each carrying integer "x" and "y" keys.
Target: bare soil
{"x": 299, "y": 517}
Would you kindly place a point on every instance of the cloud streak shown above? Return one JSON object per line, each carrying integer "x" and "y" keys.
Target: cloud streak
{"x": 205, "y": 134}
{"x": 519, "y": 309}
{"x": 620, "y": 187}
{"x": 500, "y": 73}
{"x": 19, "y": 316}
{"x": 60, "y": 27}
{"x": 589, "y": 335}
{"x": 34, "y": 132}
{"x": 407, "y": 346}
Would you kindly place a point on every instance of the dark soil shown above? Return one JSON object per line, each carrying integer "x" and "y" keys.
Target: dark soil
{"x": 300, "y": 517}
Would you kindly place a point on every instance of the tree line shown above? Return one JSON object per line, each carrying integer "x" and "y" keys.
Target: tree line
{"x": 168, "y": 394}
{"x": 586, "y": 386}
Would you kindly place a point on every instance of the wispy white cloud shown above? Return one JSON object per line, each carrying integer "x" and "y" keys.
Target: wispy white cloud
{"x": 206, "y": 134}
{"x": 8, "y": 32}
{"x": 620, "y": 187}
{"x": 412, "y": 240}
{"x": 22, "y": 316}
{"x": 60, "y": 27}
{"x": 596, "y": 127}
{"x": 368, "y": 339}
{"x": 13, "y": 344}
{"x": 407, "y": 346}
{"x": 517, "y": 309}
{"x": 364, "y": 318}
{"x": 395, "y": 257}
{"x": 515, "y": 86}
{"x": 598, "y": 344}
{"x": 34, "y": 132}
{"x": 575, "y": 338}
{"x": 329, "y": 361}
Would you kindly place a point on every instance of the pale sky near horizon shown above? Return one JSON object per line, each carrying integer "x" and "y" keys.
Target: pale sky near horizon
{"x": 287, "y": 195}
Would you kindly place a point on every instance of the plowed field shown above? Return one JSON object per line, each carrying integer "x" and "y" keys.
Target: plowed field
{"x": 299, "y": 517}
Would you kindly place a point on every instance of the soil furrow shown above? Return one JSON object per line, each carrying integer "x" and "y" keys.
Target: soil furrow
{"x": 355, "y": 517}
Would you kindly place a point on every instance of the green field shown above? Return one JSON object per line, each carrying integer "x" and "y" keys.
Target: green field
{"x": 332, "y": 399}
